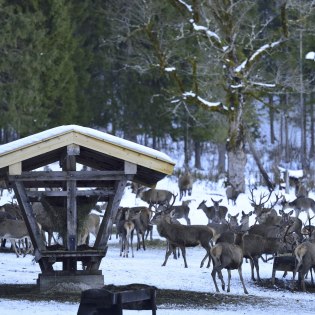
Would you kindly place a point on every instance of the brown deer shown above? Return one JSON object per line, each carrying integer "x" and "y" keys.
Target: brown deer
{"x": 90, "y": 225}
{"x": 226, "y": 256}
{"x": 185, "y": 184}
{"x": 254, "y": 245}
{"x": 231, "y": 192}
{"x": 215, "y": 213}
{"x": 157, "y": 197}
{"x": 301, "y": 204}
{"x": 305, "y": 257}
{"x": 260, "y": 208}
{"x": 179, "y": 211}
{"x": 15, "y": 230}
{"x": 125, "y": 230}
{"x": 183, "y": 236}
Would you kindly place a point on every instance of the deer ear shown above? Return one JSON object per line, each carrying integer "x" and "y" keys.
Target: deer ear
{"x": 250, "y": 213}
{"x": 281, "y": 212}
{"x": 229, "y": 215}
{"x": 291, "y": 212}
{"x": 220, "y": 200}
{"x": 212, "y": 200}
{"x": 236, "y": 215}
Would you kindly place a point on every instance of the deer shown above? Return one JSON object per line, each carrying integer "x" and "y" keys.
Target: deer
{"x": 215, "y": 213}
{"x": 301, "y": 204}
{"x": 244, "y": 221}
{"x": 179, "y": 211}
{"x": 183, "y": 236}
{"x": 125, "y": 229}
{"x": 255, "y": 245}
{"x": 141, "y": 216}
{"x": 260, "y": 209}
{"x": 15, "y": 230}
{"x": 305, "y": 257}
{"x": 226, "y": 256}
{"x": 156, "y": 196}
{"x": 231, "y": 192}
{"x": 185, "y": 184}
{"x": 91, "y": 225}
{"x": 46, "y": 220}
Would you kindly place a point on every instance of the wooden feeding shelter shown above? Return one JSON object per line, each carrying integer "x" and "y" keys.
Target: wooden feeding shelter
{"x": 109, "y": 162}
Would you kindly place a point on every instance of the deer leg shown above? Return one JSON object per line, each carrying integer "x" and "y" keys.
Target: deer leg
{"x": 183, "y": 249}
{"x": 169, "y": 251}
{"x": 252, "y": 269}
{"x": 256, "y": 264}
{"x": 207, "y": 255}
{"x": 12, "y": 241}
{"x": 213, "y": 274}
{"x": 121, "y": 245}
{"x": 241, "y": 278}
{"x": 131, "y": 245}
{"x": 229, "y": 280}
{"x": 221, "y": 278}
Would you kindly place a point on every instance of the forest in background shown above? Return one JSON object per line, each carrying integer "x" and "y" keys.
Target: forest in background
{"x": 208, "y": 76}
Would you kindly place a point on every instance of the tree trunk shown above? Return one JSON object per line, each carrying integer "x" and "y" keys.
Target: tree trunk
{"x": 221, "y": 158}
{"x": 263, "y": 172}
{"x": 312, "y": 129}
{"x": 236, "y": 145}
{"x": 197, "y": 146}
{"x": 271, "y": 120}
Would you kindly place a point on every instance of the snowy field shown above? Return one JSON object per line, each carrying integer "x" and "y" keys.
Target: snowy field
{"x": 146, "y": 268}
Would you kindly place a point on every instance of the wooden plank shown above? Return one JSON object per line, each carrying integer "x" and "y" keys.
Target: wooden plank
{"x": 111, "y": 210}
{"x": 28, "y": 216}
{"x": 70, "y": 138}
{"x": 36, "y": 149}
{"x": 126, "y": 154}
{"x": 73, "y": 149}
{"x": 72, "y": 217}
{"x": 130, "y": 168}
{"x": 15, "y": 169}
{"x": 69, "y": 175}
{"x": 62, "y": 193}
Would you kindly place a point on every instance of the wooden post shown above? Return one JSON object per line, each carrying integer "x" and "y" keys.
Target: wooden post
{"x": 72, "y": 216}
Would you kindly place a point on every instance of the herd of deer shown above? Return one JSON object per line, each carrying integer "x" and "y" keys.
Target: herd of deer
{"x": 225, "y": 241}
{"x": 228, "y": 242}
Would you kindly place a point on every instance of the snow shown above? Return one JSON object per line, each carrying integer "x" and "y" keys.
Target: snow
{"x": 146, "y": 268}
{"x": 57, "y": 131}
{"x": 310, "y": 55}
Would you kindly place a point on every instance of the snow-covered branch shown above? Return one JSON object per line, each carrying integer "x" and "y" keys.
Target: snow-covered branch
{"x": 201, "y": 101}
{"x": 204, "y": 29}
{"x": 256, "y": 55}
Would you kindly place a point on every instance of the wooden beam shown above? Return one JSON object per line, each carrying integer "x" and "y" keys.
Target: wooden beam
{"x": 31, "y": 224}
{"x": 15, "y": 169}
{"x": 73, "y": 149}
{"x": 130, "y": 168}
{"x": 104, "y": 230}
{"x": 62, "y": 193}
{"x": 72, "y": 217}
{"x": 69, "y": 175}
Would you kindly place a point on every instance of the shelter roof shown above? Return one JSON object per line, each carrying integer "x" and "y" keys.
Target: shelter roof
{"x": 98, "y": 150}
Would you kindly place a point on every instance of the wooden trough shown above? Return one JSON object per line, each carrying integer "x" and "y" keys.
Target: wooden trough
{"x": 109, "y": 162}
{"x": 112, "y": 300}
{"x": 284, "y": 263}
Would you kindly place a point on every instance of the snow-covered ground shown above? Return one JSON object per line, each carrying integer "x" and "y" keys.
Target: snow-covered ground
{"x": 146, "y": 268}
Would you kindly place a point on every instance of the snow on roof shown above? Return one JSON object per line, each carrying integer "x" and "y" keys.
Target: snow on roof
{"x": 310, "y": 55}
{"x": 57, "y": 131}
{"x": 292, "y": 173}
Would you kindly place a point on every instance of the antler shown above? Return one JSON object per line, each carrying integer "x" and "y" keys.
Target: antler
{"x": 278, "y": 197}
{"x": 261, "y": 198}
